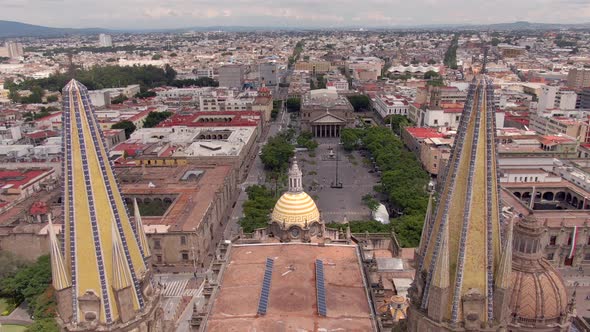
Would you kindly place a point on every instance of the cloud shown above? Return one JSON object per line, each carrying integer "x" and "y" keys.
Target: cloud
{"x": 317, "y": 13}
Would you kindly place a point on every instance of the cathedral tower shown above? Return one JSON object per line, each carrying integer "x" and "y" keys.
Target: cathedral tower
{"x": 461, "y": 275}
{"x": 100, "y": 271}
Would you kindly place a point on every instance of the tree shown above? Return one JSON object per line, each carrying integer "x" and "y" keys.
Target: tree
{"x": 305, "y": 140}
{"x": 431, "y": 61}
{"x": 257, "y": 208}
{"x": 52, "y": 99}
{"x": 127, "y": 125}
{"x": 276, "y": 153}
{"x": 154, "y": 118}
{"x": 119, "y": 99}
{"x": 430, "y": 75}
{"x": 495, "y": 41}
{"x": 169, "y": 73}
{"x": 397, "y": 122}
{"x": 28, "y": 282}
{"x": 145, "y": 94}
{"x": 360, "y": 102}
{"x": 349, "y": 139}
{"x": 43, "y": 325}
{"x": 293, "y": 104}
{"x": 202, "y": 81}
{"x": 156, "y": 57}
{"x": 10, "y": 264}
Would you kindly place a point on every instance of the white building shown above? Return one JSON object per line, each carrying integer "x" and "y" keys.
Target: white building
{"x": 105, "y": 40}
{"x": 387, "y": 105}
{"x": 449, "y": 118}
{"x": 337, "y": 84}
{"x": 551, "y": 97}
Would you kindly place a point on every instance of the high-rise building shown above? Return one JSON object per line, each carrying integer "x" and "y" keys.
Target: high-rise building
{"x": 231, "y": 76}
{"x": 462, "y": 281}
{"x": 105, "y": 40}
{"x": 585, "y": 99}
{"x": 578, "y": 78}
{"x": 101, "y": 271}
{"x": 554, "y": 97}
{"x": 12, "y": 50}
{"x": 268, "y": 74}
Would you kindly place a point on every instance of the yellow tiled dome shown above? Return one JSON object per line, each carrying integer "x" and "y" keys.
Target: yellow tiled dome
{"x": 295, "y": 209}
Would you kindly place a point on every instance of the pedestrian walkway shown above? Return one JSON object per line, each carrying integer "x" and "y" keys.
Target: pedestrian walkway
{"x": 175, "y": 288}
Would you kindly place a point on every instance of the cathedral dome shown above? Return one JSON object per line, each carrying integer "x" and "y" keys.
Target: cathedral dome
{"x": 539, "y": 296}
{"x": 295, "y": 207}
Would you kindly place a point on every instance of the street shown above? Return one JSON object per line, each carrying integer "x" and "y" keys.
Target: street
{"x": 255, "y": 174}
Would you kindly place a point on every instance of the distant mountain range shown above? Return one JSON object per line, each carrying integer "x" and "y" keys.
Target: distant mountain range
{"x": 10, "y": 29}
{"x": 18, "y": 29}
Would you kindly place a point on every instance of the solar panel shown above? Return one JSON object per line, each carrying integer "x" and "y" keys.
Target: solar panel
{"x": 265, "y": 292}
{"x": 320, "y": 287}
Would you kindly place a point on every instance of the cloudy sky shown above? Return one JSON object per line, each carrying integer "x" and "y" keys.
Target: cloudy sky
{"x": 288, "y": 13}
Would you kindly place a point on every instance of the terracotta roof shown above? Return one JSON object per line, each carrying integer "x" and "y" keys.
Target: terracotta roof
{"x": 424, "y": 132}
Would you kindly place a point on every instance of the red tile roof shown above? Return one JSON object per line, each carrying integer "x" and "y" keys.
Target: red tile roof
{"x": 19, "y": 178}
{"x": 424, "y": 132}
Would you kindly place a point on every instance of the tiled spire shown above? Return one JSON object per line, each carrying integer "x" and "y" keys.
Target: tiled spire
{"x": 504, "y": 272}
{"x": 469, "y": 207}
{"x": 141, "y": 237}
{"x": 97, "y": 228}
{"x": 440, "y": 278}
{"x": 60, "y": 277}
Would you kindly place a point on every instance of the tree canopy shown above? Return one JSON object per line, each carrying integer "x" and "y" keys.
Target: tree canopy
{"x": 277, "y": 152}
{"x": 450, "y": 59}
{"x": 154, "y": 118}
{"x": 257, "y": 208}
{"x": 293, "y": 104}
{"x": 360, "y": 102}
{"x": 403, "y": 180}
{"x": 127, "y": 125}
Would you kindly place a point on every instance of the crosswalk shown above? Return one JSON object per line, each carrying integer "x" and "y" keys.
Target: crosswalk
{"x": 174, "y": 288}
{"x": 177, "y": 288}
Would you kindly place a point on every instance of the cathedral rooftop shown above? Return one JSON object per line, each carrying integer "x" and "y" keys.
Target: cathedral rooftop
{"x": 292, "y": 304}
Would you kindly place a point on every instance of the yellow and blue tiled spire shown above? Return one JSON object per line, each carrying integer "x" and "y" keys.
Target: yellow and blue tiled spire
{"x": 464, "y": 228}
{"x": 101, "y": 248}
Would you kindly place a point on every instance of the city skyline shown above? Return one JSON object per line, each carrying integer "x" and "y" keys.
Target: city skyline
{"x": 130, "y": 14}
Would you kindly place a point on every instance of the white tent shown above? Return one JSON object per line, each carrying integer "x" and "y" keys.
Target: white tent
{"x": 380, "y": 214}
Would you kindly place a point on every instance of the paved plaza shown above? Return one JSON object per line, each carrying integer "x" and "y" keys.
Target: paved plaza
{"x": 319, "y": 173}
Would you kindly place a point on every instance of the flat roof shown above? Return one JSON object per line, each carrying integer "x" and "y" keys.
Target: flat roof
{"x": 292, "y": 302}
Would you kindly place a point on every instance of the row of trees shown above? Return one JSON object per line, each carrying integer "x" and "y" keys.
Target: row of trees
{"x": 102, "y": 77}
{"x": 403, "y": 180}
{"x": 31, "y": 283}
{"x": 450, "y": 59}
{"x": 296, "y": 53}
{"x": 257, "y": 208}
